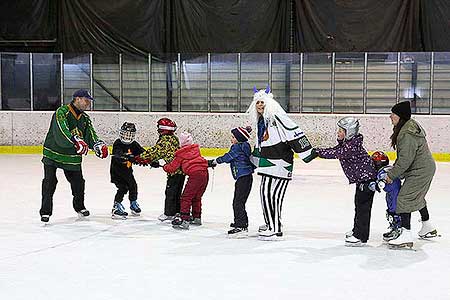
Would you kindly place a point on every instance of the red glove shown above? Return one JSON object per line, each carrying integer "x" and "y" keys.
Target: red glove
{"x": 141, "y": 161}
{"x": 80, "y": 145}
{"x": 101, "y": 150}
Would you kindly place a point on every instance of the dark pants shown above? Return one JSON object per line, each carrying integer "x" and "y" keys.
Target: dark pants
{"x": 174, "y": 188}
{"x": 76, "y": 181}
{"x": 406, "y": 220}
{"x": 242, "y": 189}
{"x": 126, "y": 184}
{"x": 363, "y": 208}
{"x": 406, "y": 217}
{"x": 192, "y": 195}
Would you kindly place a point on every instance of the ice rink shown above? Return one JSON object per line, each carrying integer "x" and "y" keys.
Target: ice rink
{"x": 142, "y": 258}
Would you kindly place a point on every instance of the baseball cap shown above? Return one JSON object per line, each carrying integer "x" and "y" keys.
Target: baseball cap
{"x": 82, "y": 93}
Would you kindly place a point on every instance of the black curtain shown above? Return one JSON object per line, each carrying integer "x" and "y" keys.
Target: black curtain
{"x": 28, "y": 24}
{"x": 435, "y": 25}
{"x": 165, "y": 27}
{"x": 358, "y": 25}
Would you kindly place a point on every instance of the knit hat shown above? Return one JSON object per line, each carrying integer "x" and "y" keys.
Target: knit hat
{"x": 185, "y": 139}
{"x": 403, "y": 110}
{"x": 241, "y": 134}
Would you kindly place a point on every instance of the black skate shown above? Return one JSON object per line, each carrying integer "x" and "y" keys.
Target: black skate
{"x": 45, "y": 218}
{"x": 195, "y": 221}
{"x": 135, "y": 209}
{"x": 82, "y": 214}
{"x": 238, "y": 233}
{"x": 392, "y": 234}
{"x": 118, "y": 212}
{"x": 179, "y": 223}
{"x": 232, "y": 225}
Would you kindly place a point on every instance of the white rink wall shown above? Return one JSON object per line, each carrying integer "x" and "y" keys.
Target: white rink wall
{"x": 212, "y": 130}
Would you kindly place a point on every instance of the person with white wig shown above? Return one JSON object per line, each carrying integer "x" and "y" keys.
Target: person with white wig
{"x": 278, "y": 137}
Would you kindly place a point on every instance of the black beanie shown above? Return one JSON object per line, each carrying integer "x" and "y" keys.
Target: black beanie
{"x": 403, "y": 110}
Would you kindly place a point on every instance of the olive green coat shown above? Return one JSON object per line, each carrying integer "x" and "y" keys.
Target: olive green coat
{"x": 415, "y": 164}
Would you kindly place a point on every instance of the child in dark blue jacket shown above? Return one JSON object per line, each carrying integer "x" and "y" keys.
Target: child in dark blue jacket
{"x": 381, "y": 162}
{"x": 242, "y": 169}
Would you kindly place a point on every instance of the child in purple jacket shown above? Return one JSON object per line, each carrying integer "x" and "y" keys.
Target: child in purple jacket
{"x": 358, "y": 167}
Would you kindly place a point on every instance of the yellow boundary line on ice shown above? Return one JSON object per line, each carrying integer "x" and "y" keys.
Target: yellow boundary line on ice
{"x": 209, "y": 152}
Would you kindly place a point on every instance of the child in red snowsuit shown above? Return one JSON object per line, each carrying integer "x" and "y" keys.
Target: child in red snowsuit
{"x": 196, "y": 167}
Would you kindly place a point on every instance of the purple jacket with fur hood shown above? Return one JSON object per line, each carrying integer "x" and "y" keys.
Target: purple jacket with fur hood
{"x": 354, "y": 159}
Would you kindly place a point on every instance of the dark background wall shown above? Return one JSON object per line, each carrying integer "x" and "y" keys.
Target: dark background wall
{"x": 162, "y": 27}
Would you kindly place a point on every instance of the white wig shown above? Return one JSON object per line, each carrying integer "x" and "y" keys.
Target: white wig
{"x": 271, "y": 108}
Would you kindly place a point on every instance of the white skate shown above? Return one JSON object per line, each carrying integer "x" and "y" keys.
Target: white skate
{"x": 352, "y": 241}
{"x": 427, "y": 230}
{"x": 163, "y": 218}
{"x": 403, "y": 240}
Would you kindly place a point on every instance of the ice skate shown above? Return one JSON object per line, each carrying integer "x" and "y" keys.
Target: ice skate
{"x": 349, "y": 233}
{"x": 135, "y": 209}
{"x": 263, "y": 228}
{"x": 179, "y": 223}
{"x": 270, "y": 235}
{"x": 427, "y": 230}
{"x": 118, "y": 212}
{"x": 164, "y": 217}
{"x": 353, "y": 241}
{"x": 238, "y": 233}
{"x": 45, "y": 218}
{"x": 403, "y": 240}
{"x": 195, "y": 221}
{"x": 392, "y": 234}
{"x": 83, "y": 214}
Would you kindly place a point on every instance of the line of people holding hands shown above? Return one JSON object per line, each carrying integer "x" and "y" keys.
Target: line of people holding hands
{"x": 406, "y": 182}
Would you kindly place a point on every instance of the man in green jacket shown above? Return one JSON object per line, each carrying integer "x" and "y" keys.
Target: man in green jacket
{"x": 70, "y": 136}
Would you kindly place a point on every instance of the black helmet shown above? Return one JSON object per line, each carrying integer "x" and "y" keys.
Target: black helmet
{"x": 127, "y": 133}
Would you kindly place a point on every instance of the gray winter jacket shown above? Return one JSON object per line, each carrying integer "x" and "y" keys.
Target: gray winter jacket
{"x": 415, "y": 164}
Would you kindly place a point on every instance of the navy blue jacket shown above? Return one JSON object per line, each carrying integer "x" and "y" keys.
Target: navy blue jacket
{"x": 239, "y": 159}
{"x": 391, "y": 189}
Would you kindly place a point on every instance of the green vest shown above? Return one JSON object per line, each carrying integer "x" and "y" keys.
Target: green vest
{"x": 59, "y": 150}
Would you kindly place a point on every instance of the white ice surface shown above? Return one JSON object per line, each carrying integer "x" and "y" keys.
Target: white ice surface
{"x": 141, "y": 258}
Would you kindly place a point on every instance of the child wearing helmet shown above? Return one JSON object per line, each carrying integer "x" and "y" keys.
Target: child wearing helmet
{"x": 359, "y": 169}
{"x": 381, "y": 162}
{"x": 165, "y": 149}
{"x": 125, "y": 148}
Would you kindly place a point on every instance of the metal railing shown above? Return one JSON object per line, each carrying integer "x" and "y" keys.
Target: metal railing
{"x": 166, "y": 84}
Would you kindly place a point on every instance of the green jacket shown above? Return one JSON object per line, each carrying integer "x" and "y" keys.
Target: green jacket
{"x": 164, "y": 149}
{"x": 59, "y": 150}
{"x": 415, "y": 164}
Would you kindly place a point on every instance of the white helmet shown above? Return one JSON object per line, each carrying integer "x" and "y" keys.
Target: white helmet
{"x": 350, "y": 125}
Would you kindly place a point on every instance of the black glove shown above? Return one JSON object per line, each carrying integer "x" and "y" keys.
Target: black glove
{"x": 312, "y": 156}
{"x": 127, "y": 157}
{"x": 155, "y": 164}
{"x": 212, "y": 163}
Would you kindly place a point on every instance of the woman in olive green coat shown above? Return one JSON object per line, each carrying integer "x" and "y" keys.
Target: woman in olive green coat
{"x": 416, "y": 166}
